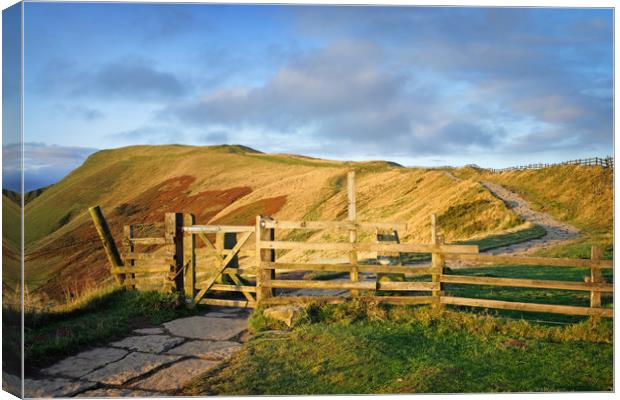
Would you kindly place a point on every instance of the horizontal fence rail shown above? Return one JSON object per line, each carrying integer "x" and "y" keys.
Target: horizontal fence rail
{"x": 217, "y": 228}
{"x": 519, "y": 306}
{"x": 272, "y": 224}
{"x": 528, "y": 283}
{"x": 476, "y": 259}
{"x": 380, "y": 247}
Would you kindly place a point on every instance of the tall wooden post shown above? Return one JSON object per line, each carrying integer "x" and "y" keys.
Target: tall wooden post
{"x": 173, "y": 233}
{"x": 352, "y": 214}
{"x": 128, "y": 233}
{"x": 596, "y": 276}
{"x": 264, "y": 275}
{"x": 103, "y": 230}
{"x": 189, "y": 257}
{"x": 438, "y": 263}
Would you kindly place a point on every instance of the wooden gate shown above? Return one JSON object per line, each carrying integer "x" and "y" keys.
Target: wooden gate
{"x": 213, "y": 267}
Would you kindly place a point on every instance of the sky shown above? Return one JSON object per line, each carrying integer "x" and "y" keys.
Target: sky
{"x": 421, "y": 86}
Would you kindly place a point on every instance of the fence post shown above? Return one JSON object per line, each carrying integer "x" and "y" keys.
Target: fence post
{"x": 173, "y": 233}
{"x": 264, "y": 275}
{"x": 438, "y": 263}
{"x": 352, "y": 214}
{"x": 128, "y": 233}
{"x": 596, "y": 276}
{"x": 103, "y": 230}
{"x": 189, "y": 257}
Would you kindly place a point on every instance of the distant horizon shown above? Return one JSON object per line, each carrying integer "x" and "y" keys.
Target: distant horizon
{"x": 37, "y": 180}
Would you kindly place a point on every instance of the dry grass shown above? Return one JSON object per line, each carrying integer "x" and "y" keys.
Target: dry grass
{"x": 289, "y": 187}
{"x": 580, "y": 195}
{"x": 304, "y": 188}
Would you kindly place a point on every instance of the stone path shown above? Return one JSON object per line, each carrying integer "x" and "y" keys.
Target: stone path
{"x": 557, "y": 232}
{"x": 151, "y": 362}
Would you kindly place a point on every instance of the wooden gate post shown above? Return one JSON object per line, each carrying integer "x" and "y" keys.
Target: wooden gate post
{"x": 352, "y": 214}
{"x": 189, "y": 257}
{"x": 596, "y": 276}
{"x": 173, "y": 233}
{"x": 264, "y": 275}
{"x": 103, "y": 230}
{"x": 438, "y": 263}
{"x": 128, "y": 233}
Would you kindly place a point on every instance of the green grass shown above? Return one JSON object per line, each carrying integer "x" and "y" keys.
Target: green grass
{"x": 363, "y": 348}
{"x": 530, "y": 295}
{"x": 581, "y": 247}
{"x": 495, "y": 241}
{"x": 53, "y": 335}
{"x": 489, "y": 242}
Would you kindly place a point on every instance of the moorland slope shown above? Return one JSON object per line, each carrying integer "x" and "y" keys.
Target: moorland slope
{"x": 231, "y": 185}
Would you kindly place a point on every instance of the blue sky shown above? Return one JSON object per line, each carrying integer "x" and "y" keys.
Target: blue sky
{"x": 419, "y": 86}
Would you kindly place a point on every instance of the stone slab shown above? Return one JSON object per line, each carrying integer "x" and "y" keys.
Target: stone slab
{"x": 113, "y": 392}
{"x": 207, "y": 328}
{"x": 176, "y": 376}
{"x": 148, "y": 343}
{"x": 206, "y": 349}
{"x": 57, "y": 387}
{"x": 289, "y": 314}
{"x": 130, "y": 367}
{"x": 149, "y": 331}
{"x": 85, "y": 362}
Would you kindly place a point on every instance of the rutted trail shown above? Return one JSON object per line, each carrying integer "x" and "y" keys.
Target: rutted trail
{"x": 557, "y": 232}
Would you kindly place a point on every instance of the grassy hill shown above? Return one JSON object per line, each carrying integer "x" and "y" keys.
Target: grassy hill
{"x": 231, "y": 185}
{"x": 579, "y": 195}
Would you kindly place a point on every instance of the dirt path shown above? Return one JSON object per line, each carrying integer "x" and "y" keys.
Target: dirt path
{"x": 155, "y": 361}
{"x": 557, "y": 232}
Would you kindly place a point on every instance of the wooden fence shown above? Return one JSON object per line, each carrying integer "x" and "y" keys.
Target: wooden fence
{"x": 172, "y": 258}
{"x": 605, "y": 162}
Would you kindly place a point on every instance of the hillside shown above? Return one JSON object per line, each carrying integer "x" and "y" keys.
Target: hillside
{"x": 232, "y": 184}
{"x": 579, "y": 195}
{"x": 10, "y": 247}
